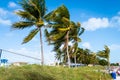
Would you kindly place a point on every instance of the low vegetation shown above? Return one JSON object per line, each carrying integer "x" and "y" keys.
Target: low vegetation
{"x": 36, "y": 72}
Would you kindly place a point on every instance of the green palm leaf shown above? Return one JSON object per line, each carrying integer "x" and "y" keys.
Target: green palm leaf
{"x": 22, "y": 25}
{"x": 26, "y": 15}
{"x": 48, "y": 16}
{"x": 30, "y": 36}
{"x": 39, "y": 6}
{"x": 83, "y": 29}
{"x": 29, "y": 8}
{"x": 58, "y": 14}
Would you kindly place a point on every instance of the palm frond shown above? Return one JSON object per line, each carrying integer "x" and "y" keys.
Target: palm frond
{"x": 47, "y": 35}
{"x": 48, "y": 16}
{"x": 55, "y": 37}
{"x": 58, "y": 14}
{"x": 30, "y": 36}
{"x": 76, "y": 39}
{"x": 22, "y": 25}
{"x": 28, "y": 7}
{"x": 64, "y": 29}
{"x": 58, "y": 54}
{"x": 83, "y": 29}
{"x": 55, "y": 25}
{"x": 40, "y": 6}
{"x": 26, "y": 15}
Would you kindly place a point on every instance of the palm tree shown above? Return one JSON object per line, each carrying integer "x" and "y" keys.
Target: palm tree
{"x": 105, "y": 54}
{"x": 107, "y": 51}
{"x": 59, "y": 55}
{"x": 32, "y": 15}
{"x": 60, "y": 32}
{"x": 63, "y": 30}
{"x": 76, "y": 31}
{"x": 87, "y": 56}
{"x": 93, "y": 58}
{"x": 80, "y": 55}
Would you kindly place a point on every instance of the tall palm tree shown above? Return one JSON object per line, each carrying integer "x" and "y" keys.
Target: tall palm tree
{"x": 63, "y": 29}
{"x": 32, "y": 15}
{"x": 60, "y": 32}
{"x": 76, "y": 31}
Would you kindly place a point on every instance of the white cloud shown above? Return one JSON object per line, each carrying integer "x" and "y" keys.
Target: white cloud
{"x": 3, "y": 12}
{"x": 4, "y": 15}
{"x": 5, "y": 22}
{"x": 95, "y": 23}
{"x": 86, "y": 45}
{"x": 115, "y": 47}
{"x": 12, "y": 4}
{"x": 115, "y": 21}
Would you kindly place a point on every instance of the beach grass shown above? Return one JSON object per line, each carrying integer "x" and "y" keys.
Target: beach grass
{"x": 37, "y": 72}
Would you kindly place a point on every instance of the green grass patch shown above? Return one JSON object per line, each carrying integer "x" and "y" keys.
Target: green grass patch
{"x": 36, "y": 72}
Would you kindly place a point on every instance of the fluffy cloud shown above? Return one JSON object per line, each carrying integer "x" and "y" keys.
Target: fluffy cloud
{"x": 86, "y": 45}
{"x": 4, "y": 17}
{"x": 12, "y": 4}
{"x": 115, "y": 21}
{"x": 3, "y": 12}
{"x": 5, "y": 22}
{"x": 95, "y": 23}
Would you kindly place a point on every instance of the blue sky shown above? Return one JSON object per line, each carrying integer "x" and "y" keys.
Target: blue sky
{"x": 100, "y": 18}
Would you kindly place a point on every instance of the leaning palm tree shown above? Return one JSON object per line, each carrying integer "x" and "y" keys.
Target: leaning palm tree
{"x": 32, "y": 16}
{"x": 76, "y": 31}
{"x": 59, "y": 35}
{"x": 107, "y": 51}
{"x": 63, "y": 30}
{"x": 74, "y": 34}
{"x": 105, "y": 54}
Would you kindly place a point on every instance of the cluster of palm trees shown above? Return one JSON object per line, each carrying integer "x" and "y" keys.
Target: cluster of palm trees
{"x": 62, "y": 29}
{"x": 59, "y": 30}
{"x": 86, "y": 56}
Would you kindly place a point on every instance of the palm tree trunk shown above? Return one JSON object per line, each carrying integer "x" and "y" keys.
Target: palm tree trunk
{"x": 108, "y": 61}
{"x": 67, "y": 50}
{"x": 75, "y": 57}
{"x": 41, "y": 44}
{"x": 75, "y": 60}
